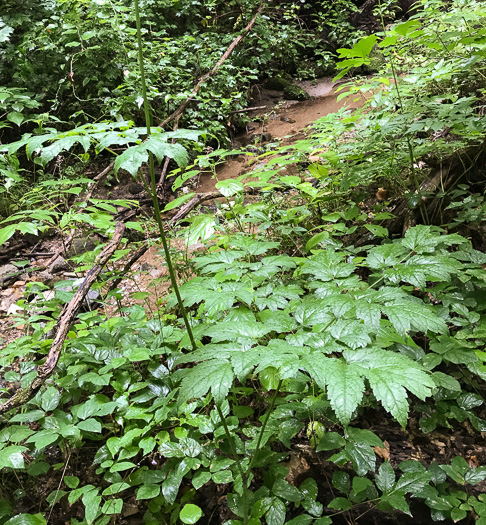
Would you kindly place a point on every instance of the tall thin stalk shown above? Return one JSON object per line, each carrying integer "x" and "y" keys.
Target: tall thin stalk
{"x": 411, "y": 153}
{"x": 152, "y": 190}
{"x": 153, "y": 184}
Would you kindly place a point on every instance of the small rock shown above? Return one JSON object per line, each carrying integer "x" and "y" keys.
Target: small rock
{"x": 135, "y": 188}
{"x": 59, "y": 265}
{"x": 8, "y": 269}
{"x": 46, "y": 277}
{"x": 81, "y": 245}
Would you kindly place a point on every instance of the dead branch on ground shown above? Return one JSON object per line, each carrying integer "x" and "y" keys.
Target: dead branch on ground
{"x": 63, "y": 325}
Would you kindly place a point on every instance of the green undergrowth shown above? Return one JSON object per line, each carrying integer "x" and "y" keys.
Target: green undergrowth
{"x": 319, "y": 326}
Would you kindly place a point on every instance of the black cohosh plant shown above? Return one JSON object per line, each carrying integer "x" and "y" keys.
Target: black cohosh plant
{"x": 305, "y": 322}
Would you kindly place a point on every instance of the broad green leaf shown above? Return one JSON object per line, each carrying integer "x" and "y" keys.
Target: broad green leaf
{"x": 50, "y": 399}
{"x": 341, "y": 481}
{"x": 276, "y": 513}
{"x": 229, "y": 187}
{"x": 190, "y": 514}
{"x": 116, "y": 488}
{"x": 28, "y": 417}
{"x": 344, "y": 383}
{"x": 6, "y": 233}
{"x": 112, "y": 506}
{"x": 12, "y": 457}
{"x": 27, "y": 519}
{"x": 286, "y": 491}
{"x": 15, "y": 117}
{"x": 91, "y": 501}
{"x": 149, "y": 491}
{"x": 340, "y": 504}
{"x": 43, "y": 438}
{"x": 385, "y": 479}
{"x": 90, "y": 425}
{"x": 362, "y": 456}
{"x": 71, "y": 481}
{"x": 216, "y": 376}
{"x": 200, "y": 478}
{"x": 330, "y": 441}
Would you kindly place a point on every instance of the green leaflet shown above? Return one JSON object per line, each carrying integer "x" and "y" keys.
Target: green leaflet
{"x": 216, "y": 376}
{"x": 344, "y": 383}
{"x": 389, "y": 374}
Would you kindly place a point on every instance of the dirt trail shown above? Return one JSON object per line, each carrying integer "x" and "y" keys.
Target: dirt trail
{"x": 284, "y": 120}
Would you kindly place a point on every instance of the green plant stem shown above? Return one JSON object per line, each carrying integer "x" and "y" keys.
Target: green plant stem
{"x": 235, "y": 457}
{"x": 411, "y": 152}
{"x": 153, "y": 192}
{"x": 265, "y": 421}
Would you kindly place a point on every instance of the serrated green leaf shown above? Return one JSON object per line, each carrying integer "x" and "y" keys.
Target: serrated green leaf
{"x": 362, "y": 456}
{"x": 344, "y": 383}
{"x": 397, "y": 501}
{"x": 385, "y": 479}
{"x": 161, "y": 149}
{"x": 229, "y": 187}
{"x": 407, "y": 314}
{"x": 216, "y": 376}
{"x": 132, "y": 159}
{"x": 389, "y": 374}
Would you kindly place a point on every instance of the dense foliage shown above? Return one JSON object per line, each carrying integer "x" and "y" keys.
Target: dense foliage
{"x": 316, "y": 324}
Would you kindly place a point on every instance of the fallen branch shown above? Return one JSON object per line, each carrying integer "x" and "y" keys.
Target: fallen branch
{"x": 209, "y": 74}
{"x": 198, "y": 199}
{"x": 190, "y": 205}
{"x": 133, "y": 259}
{"x": 63, "y": 325}
{"x": 246, "y": 110}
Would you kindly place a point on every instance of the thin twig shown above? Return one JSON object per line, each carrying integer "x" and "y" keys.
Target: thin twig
{"x": 133, "y": 259}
